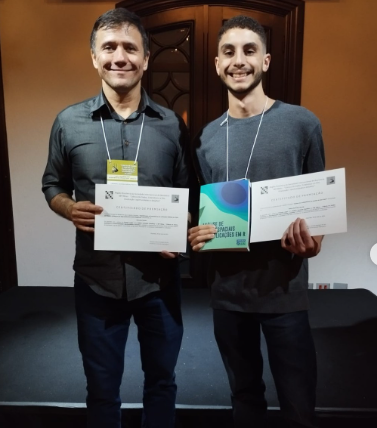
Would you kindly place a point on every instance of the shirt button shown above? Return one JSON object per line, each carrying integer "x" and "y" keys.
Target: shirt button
{"x": 126, "y": 143}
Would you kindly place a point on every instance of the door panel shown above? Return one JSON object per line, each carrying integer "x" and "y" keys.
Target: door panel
{"x": 168, "y": 58}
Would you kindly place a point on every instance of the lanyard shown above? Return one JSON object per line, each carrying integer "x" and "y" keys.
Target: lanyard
{"x": 252, "y": 148}
{"x": 138, "y": 144}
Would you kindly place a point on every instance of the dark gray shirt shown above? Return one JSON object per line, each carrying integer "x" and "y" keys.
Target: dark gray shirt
{"x": 268, "y": 278}
{"x": 77, "y": 161}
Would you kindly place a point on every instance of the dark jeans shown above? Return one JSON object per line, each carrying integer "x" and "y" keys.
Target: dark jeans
{"x": 292, "y": 360}
{"x": 103, "y": 325}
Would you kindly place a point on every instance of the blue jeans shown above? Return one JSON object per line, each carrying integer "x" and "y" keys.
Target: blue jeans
{"x": 292, "y": 359}
{"x": 103, "y": 325}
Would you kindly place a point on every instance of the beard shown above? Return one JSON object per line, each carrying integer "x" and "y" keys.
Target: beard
{"x": 242, "y": 91}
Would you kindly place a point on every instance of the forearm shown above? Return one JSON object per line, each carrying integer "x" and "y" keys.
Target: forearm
{"x": 62, "y": 204}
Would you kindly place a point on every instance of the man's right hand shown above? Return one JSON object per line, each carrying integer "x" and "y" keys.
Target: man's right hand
{"x": 199, "y": 235}
{"x": 82, "y": 215}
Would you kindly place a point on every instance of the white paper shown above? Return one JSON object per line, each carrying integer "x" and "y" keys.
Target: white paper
{"x": 319, "y": 198}
{"x": 141, "y": 218}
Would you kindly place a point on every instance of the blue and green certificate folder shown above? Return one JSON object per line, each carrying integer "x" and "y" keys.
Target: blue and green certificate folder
{"x": 226, "y": 205}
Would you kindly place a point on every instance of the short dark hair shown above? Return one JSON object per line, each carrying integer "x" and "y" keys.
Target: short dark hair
{"x": 242, "y": 21}
{"x": 116, "y": 18}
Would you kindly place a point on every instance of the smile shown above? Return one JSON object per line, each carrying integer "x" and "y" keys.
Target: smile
{"x": 239, "y": 75}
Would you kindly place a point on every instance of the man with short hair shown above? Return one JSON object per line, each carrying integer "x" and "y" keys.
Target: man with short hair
{"x": 121, "y": 124}
{"x": 260, "y": 139}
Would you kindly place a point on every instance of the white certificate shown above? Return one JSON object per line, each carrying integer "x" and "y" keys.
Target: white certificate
{"x": 141, "y": 218}
{"x": 319, "y": 198}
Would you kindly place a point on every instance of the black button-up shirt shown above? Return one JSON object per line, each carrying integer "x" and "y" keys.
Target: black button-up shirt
{"x": 77, "y": 161}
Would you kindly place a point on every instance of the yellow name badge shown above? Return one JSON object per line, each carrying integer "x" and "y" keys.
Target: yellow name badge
{"x": 122, "y": 172}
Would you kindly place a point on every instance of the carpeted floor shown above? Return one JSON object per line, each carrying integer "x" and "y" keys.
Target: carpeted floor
{"x": 41, "y": 375}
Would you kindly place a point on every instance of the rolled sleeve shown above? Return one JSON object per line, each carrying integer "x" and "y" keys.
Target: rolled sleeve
{"x": 57, "y": 177}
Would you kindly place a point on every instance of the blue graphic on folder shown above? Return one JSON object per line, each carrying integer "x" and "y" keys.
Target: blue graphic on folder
{"x": 230, "y": 197}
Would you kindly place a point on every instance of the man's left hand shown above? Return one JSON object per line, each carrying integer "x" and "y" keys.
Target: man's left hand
{"x": 297, "y": 240}
{"x": 167, "y": 255}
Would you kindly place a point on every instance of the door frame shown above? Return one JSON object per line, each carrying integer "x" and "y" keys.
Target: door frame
{"x": 8, "y": 266}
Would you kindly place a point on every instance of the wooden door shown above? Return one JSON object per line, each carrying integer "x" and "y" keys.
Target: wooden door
{"x": 181, "y": 73}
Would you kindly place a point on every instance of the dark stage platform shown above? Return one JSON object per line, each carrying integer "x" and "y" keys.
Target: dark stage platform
{"x": 40, "y": 365}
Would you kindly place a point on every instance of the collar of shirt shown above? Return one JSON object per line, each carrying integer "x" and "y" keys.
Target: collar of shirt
{"x": 147, "y": 106}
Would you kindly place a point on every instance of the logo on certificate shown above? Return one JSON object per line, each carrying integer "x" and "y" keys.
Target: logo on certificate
{"x": 175, "y": 199}
{"x": 109, "y": 194}
{"x": 330, "y": 180}
{"x": 264, "y": 190}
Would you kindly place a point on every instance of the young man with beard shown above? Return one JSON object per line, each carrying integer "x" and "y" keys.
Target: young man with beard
{"x": 260, "y": 138}
{"x": 120, "y": 124}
